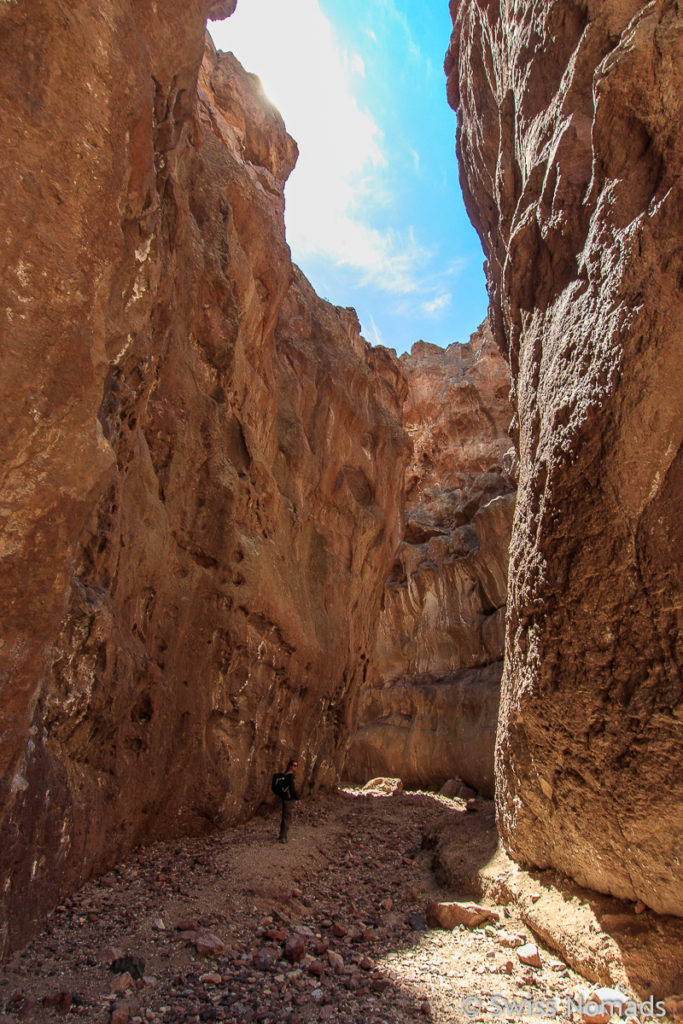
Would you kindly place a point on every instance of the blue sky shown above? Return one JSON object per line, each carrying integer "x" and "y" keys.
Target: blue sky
{"x": 374, "y": 213}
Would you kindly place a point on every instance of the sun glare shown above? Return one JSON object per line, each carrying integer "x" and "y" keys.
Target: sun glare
{"x": 362, "y": 99}
{"x": 309, "y": 77}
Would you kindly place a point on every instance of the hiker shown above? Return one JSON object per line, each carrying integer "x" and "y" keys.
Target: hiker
{"x": 283, "y": 787}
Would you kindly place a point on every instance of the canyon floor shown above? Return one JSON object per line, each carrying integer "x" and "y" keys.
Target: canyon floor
{"x": 237, "y": 927}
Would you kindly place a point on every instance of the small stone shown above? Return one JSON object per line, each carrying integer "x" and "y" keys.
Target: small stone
{"x": 122, "y": 1011}
{"x": 187, "y": 925}
{"x": 601, "y": 1004}
{"x": 317, "y": 995}
{"x": 276, "y": 935}
{"x": 263, "y": 959}
{"x": 339, "y": 930}
{"x": 209, "y": 945}
{"x": 529, "y": 955}
{"x": 295, "y": 948}
{"x": 365, "y": 963}
{"x": 640, "y": 907}
{"x": 336, "y": 962}
{"x": 316, "y": 968}
{"x": 211, "y": 978}
{"x": 122, "y": 982}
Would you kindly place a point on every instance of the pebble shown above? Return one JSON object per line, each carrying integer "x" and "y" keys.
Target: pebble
{"x": 220, "y": 893}
{"x": 528, "y": 954}
{"x": 209, "y": 945}
{"x": 295, "y": 947}
{"x": 336, "y": 961}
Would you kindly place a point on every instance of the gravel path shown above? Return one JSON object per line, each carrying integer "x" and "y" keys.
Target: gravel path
{"x": 240, "y": 928}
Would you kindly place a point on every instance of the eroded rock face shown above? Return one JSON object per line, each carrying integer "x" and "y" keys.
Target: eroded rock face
{"x": 202, "y": 460}
{"x": 430, "y": 709}
{"x": 570, "y": 156}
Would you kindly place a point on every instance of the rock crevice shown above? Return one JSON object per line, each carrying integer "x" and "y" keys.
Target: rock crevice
{"x": 429, "y": 709}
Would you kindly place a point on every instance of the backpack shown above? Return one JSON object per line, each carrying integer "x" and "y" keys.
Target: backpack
{"x": 280, "y": 786}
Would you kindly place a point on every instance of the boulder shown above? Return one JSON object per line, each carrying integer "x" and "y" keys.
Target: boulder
{"x": 382, "y": 785}
{"x": 450, "y": 915}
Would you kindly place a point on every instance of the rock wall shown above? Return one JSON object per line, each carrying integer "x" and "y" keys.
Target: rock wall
{"x": 569, "y": 145}
{"x": 202, "y": 461}
{"x": 429, "y": 710}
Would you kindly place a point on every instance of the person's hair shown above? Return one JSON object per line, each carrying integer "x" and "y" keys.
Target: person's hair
{"x": 292, "y": 764}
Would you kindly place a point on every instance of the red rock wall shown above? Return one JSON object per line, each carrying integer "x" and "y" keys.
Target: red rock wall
{"x": 429, "y": 711}
{"x": 202, "y": 461}
{"x": 569, "y": 145}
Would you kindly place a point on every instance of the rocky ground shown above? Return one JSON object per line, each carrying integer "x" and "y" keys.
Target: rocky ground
{"x": 330, "y": 927}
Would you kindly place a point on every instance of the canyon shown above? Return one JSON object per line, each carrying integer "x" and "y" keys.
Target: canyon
{"x": 233, "y": 531}
{"x": 429, "y": 709}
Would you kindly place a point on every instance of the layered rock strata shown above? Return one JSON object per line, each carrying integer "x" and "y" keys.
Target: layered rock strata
{"x": 202, "y": 460}
{"x": 429, "y": 711}
{"x": 569, "y": 145}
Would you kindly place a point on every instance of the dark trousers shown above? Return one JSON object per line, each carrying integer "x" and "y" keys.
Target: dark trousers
{"x": 286, "y": 817}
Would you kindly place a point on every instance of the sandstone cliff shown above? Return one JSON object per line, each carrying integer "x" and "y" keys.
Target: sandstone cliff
{"x": 429, "y": 711}
{"x": 202, "y": 461}
{"x": 569, "y": 145}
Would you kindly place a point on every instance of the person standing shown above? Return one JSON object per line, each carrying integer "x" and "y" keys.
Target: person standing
{"x": 286, "y": 791}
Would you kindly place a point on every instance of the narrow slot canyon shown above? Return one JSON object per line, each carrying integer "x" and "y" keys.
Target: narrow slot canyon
{"x": 234, "y": 532}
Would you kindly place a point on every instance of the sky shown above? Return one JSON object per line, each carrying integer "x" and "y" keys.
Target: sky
{"x": 373, "y": 210}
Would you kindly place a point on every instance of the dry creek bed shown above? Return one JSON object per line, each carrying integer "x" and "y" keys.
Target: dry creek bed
{"x": 237, "y": 927}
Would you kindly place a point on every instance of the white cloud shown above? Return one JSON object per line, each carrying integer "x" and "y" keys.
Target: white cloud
{"x": 309, "y": 76}
{"x": 436, "y": 305}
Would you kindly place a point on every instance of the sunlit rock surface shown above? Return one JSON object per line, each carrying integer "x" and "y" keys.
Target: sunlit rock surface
{"x": 202, "y": 461}
{"x": 569, "y": 145}
{"x": 430, "y": 708}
